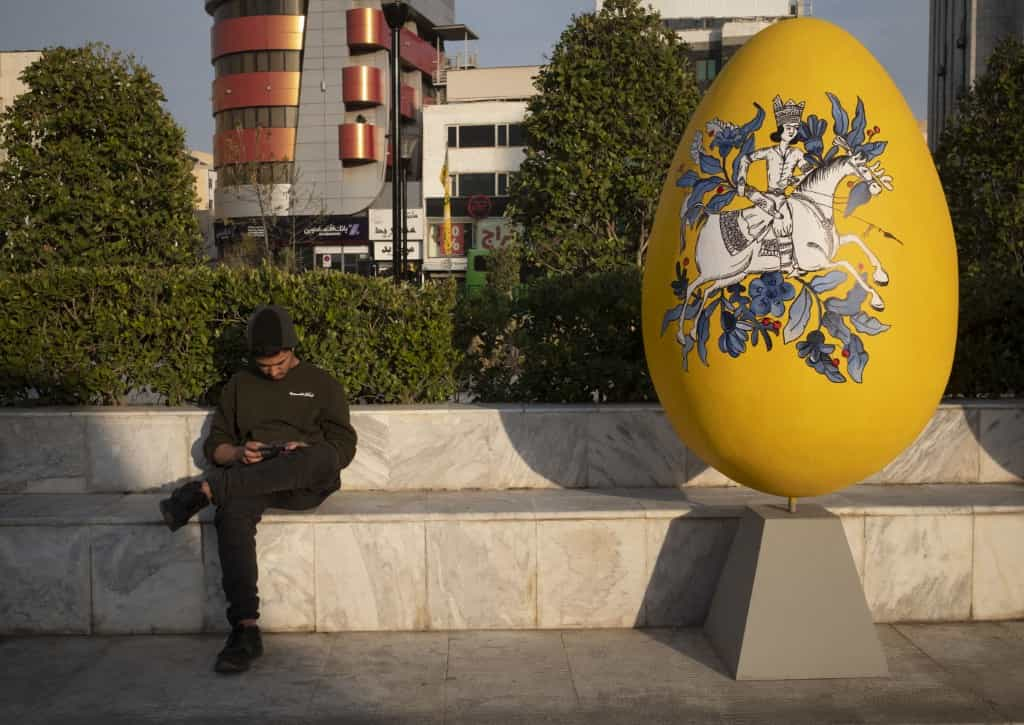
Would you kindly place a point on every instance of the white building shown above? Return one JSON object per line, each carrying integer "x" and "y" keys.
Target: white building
{"x": 480, "y": 130}
{"x": 12, "y": 64}
{"x": 715, "y": 29}
{"x": 962, "y": 35}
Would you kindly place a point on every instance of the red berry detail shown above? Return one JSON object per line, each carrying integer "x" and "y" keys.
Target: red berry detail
{"x": 846, "y": 353}
{"x": 876, "y": 129}
{"x": 711, "y": 133}
{"x": 776, "y": 325}
{"x": 721, "y": 189}
{"x": 860, "y": 266}
{"x": 686, "y": 261}
{"x": 835, "y": 362}
{"x": 849, "y": 184}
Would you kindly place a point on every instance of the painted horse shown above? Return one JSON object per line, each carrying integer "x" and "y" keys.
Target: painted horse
{"x": 727, "y": 251}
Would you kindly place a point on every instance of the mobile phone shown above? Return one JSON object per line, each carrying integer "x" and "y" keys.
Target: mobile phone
{"x": 271, "y": 451}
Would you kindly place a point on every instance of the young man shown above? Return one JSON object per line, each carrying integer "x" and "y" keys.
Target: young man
{"x": 280, "y": 437}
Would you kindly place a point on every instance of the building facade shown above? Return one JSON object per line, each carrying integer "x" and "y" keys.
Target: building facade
{"x": 715, "y": 29}
{"x": 12, "y": 64}
{"x": 477, "y": 136}
{"x": 301, "y": 101}
{"x": 962, "y": 35}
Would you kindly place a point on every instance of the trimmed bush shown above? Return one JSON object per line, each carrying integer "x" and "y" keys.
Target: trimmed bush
{"x": 569, "y": 339}
{"x": 72, "y": 336}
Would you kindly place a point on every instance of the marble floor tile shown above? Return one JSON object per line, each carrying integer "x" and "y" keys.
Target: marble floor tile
{"x": 45, "y": 580}
{"x": 540, "y": 449}
{"x": 685, "y": 560}
{"x": 918, "y": 568}
{"x": 998, "y": 581}
{"x": 1001, "y": 431}
{"x": 591, "y": 573}
{"x": 137, "y": 453}
{"x": 946, "y": 451}
{"x": 371, "y": 577}
{"x": 370, "y": 469}
{"x": 481, "y": 575}
{"x": 287, "y": 578}
{"x": 146, "y": 580}
{"x": 38, "y": 447}
{"x": 634, "y": 449}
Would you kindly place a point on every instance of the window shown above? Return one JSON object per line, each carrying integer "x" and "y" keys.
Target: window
{"x": 705, "y": 69}
{"x": 259, "y": 61}
{"x": 502, "y": 184}
{"x": 476, "y": 136}
{"x": 262, "y": 117}
{"x": 480, "y": 264}
{"x": 480, "y": 136}
{"x": 471, "y": 184}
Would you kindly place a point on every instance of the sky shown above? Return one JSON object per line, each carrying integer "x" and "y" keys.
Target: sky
{"x": 172, "y": 39}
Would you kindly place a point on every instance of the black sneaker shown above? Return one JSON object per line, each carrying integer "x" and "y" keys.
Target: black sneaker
{"x": 243, "y": 646}
{"x": 183, "y": 504}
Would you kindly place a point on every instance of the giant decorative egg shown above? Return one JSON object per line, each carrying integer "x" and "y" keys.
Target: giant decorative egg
{"x": 800, "y": 290}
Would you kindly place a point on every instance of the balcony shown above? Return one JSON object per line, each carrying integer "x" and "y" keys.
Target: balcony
{"x": 363, "y": 86}
{"x": 360, "y": 143}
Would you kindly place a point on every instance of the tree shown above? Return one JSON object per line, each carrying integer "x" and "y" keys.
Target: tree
{"x": 272, "y": 186}
{"x": 982, "y": 170}
{"x": 97, "y": 171}
{"x": 612, "y": 106}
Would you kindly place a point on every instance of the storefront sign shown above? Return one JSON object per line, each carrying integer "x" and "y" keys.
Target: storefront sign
{"x": 496, "y": 233}
{"x": 380, "y": 224}
{"x": 383, "y": 251}
{"x": 459, "y": 234}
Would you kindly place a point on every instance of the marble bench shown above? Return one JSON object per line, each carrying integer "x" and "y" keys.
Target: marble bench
{"x": 466, "y": 447}
{"x": 103, "y": 563}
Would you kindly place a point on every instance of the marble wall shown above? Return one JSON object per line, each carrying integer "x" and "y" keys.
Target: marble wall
{"x": 487, "y": 560}
{"x": 466, "y": 447}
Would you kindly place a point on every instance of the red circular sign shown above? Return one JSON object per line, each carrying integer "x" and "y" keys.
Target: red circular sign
{"x": 479, "y": 206}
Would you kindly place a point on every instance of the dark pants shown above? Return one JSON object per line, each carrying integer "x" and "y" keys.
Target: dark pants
{"x": 297, "y": 481}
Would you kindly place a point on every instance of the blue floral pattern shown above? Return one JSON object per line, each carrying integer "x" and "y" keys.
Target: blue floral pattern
{"x": 771, "y": 305}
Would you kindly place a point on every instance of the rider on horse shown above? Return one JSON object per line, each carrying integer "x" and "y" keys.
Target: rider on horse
{"x": 771, "y": 220}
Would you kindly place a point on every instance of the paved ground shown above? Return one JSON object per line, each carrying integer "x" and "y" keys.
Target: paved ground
{"x": 962, "y": 673}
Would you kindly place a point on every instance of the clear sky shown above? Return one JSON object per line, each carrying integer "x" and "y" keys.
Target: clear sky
{"x": 172, "y": 38}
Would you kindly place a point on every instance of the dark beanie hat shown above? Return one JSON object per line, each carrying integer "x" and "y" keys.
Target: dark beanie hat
{"x": 270, "y": 330}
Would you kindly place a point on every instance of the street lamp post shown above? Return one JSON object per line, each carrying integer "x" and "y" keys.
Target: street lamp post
{"x": 396, "y": 14}
{"x": 410, "y": 146}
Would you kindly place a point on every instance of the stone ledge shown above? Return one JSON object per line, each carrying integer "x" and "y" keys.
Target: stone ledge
{"x": 105, "y": 564}
{"x": 531, "y": 505}
{"x": 457, "y": 447}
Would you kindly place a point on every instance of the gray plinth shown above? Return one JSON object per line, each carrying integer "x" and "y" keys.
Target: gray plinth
{"x": 789, "y": 604}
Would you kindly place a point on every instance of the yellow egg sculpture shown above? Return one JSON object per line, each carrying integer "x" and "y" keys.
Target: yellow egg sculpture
{"x": 800, "y": 291}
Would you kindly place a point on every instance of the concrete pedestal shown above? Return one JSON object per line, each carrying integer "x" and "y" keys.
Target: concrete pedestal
{"x": 789, "y": 604}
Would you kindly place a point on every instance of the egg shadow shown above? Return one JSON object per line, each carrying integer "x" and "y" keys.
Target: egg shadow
{"x": 606, "y": 454}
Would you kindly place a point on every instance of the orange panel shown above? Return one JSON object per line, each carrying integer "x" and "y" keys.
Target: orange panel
{"x": 257, "y": 32}
{"x": 367, "y": 28}
{"x": 362, "y": 85}
{"x": 245, "y": 90}
{"x": 253, "y": 144}
{"x": 417, "y": 53}
{"x": 407, "y": 107}
{"x": 357, "y": 143}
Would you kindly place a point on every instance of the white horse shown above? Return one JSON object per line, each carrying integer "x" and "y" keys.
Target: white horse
{"x": 726, "y": 251}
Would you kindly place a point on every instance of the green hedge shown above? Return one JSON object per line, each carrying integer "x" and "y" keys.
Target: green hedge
{"x": 565, "y": 339}
{"x": 93, "y": 336}
{"x": 96, "y": 336}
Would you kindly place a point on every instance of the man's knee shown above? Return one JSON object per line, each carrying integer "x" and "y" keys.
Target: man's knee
{"x": 240, "y": 511}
